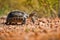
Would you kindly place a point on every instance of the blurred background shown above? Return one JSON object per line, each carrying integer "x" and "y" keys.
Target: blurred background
{"x": 44, "y": 8}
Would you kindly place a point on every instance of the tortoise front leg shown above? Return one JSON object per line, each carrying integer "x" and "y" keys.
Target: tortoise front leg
{"x": 33, "y": 20}
{"x": 24, "y": 21}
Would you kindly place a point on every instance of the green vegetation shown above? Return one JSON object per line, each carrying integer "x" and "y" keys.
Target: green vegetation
{"x": 45, "y": 8}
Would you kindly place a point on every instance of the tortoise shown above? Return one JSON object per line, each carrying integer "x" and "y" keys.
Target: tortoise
{"x": 15, "y": 17}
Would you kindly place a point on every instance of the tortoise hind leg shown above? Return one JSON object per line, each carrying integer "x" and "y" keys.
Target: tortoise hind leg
{"x": 7, "y": 23}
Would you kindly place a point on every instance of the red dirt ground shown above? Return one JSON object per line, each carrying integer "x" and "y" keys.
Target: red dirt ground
{"x": 42, "y": 29}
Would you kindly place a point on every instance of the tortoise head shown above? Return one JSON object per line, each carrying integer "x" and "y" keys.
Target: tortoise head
{"x": 33, "y": 13}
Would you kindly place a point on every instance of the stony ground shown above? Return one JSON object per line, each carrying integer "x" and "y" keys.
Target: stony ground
{"x": 42, "y": 29}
